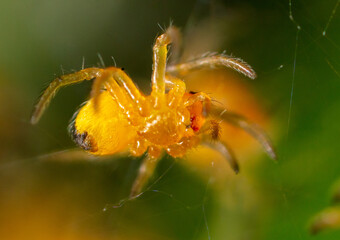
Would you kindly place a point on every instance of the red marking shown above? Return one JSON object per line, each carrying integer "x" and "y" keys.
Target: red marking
{"x": 194, "y": 124}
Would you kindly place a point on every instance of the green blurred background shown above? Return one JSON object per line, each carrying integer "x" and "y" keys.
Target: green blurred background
{"x": 65, "y": 200}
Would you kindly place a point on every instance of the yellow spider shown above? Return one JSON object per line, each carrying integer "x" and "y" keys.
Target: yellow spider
{"x": 118, "y": 117}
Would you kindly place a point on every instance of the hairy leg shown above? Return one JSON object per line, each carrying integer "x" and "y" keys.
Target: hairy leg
{"x": 145, "y": 172}
{"x": 76, "y": 154}
{"x": 211, "y": 62}
{"x": 159, "y": 65}
{"x": 200, "y": 97}
{"x": 56, "y": 84}
{"x": 124, "y": 102}
{"x": 177, "y": 91}
{"x": 211, "y": 127}
{"x": 176, "y": 43}
{"x": 251, "y": 128}
{"x": 212, "y": 131}
{"x": 222, "y": 148}
{"x": 115, "y": 79}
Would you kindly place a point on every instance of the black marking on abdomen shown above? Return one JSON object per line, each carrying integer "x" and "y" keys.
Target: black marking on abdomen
{"x": 83, "y": 140}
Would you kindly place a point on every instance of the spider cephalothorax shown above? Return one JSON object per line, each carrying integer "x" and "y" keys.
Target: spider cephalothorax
{"x": 170, "y": 119}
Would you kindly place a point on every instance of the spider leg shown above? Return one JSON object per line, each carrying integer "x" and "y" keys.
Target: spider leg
{"x": 119, "y": 95}
{"x": 227, "y": 153}
{"x": 56, "y": 84}
{"x": 197, "y": 97}
{"x": 212, "y": 131}
{"x": 213, "y": 128}
{"x": 212, "y": 62}
{"x": 145, "y": 172}
{"x": 76, "y": 154}
{"x": 116, "y": 79}
{"x": 158, "y": 72}
{"x": 176, "y": 43}
{"x": 251, "y": 128}
{"x": 177, "y": 90}
{"x": 200, "y": 97}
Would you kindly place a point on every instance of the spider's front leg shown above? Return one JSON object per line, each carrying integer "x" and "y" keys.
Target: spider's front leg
{"x": 212, "y": 62}
{"x": 251, "y": 128}
{"x": 56, "y": 84}
{"x": 226, "y": 152}
{"x": 160, "y": 52}
{"x": 211, "y": 131}
{"x": 176, "y": 44}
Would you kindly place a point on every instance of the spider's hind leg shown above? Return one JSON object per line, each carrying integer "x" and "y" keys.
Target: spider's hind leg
{"x": 122, "y": 88}
{"x": 56, "y": 84}
{"x": 145, "y": 172}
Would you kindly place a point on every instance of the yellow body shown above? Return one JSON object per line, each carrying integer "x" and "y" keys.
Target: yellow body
{"x": 104, "y": 129}
{"x": 169, "y": 120}
{"x": 106, "y": 126}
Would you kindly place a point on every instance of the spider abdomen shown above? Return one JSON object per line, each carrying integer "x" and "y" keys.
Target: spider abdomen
{"x": 103, "y": 130}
